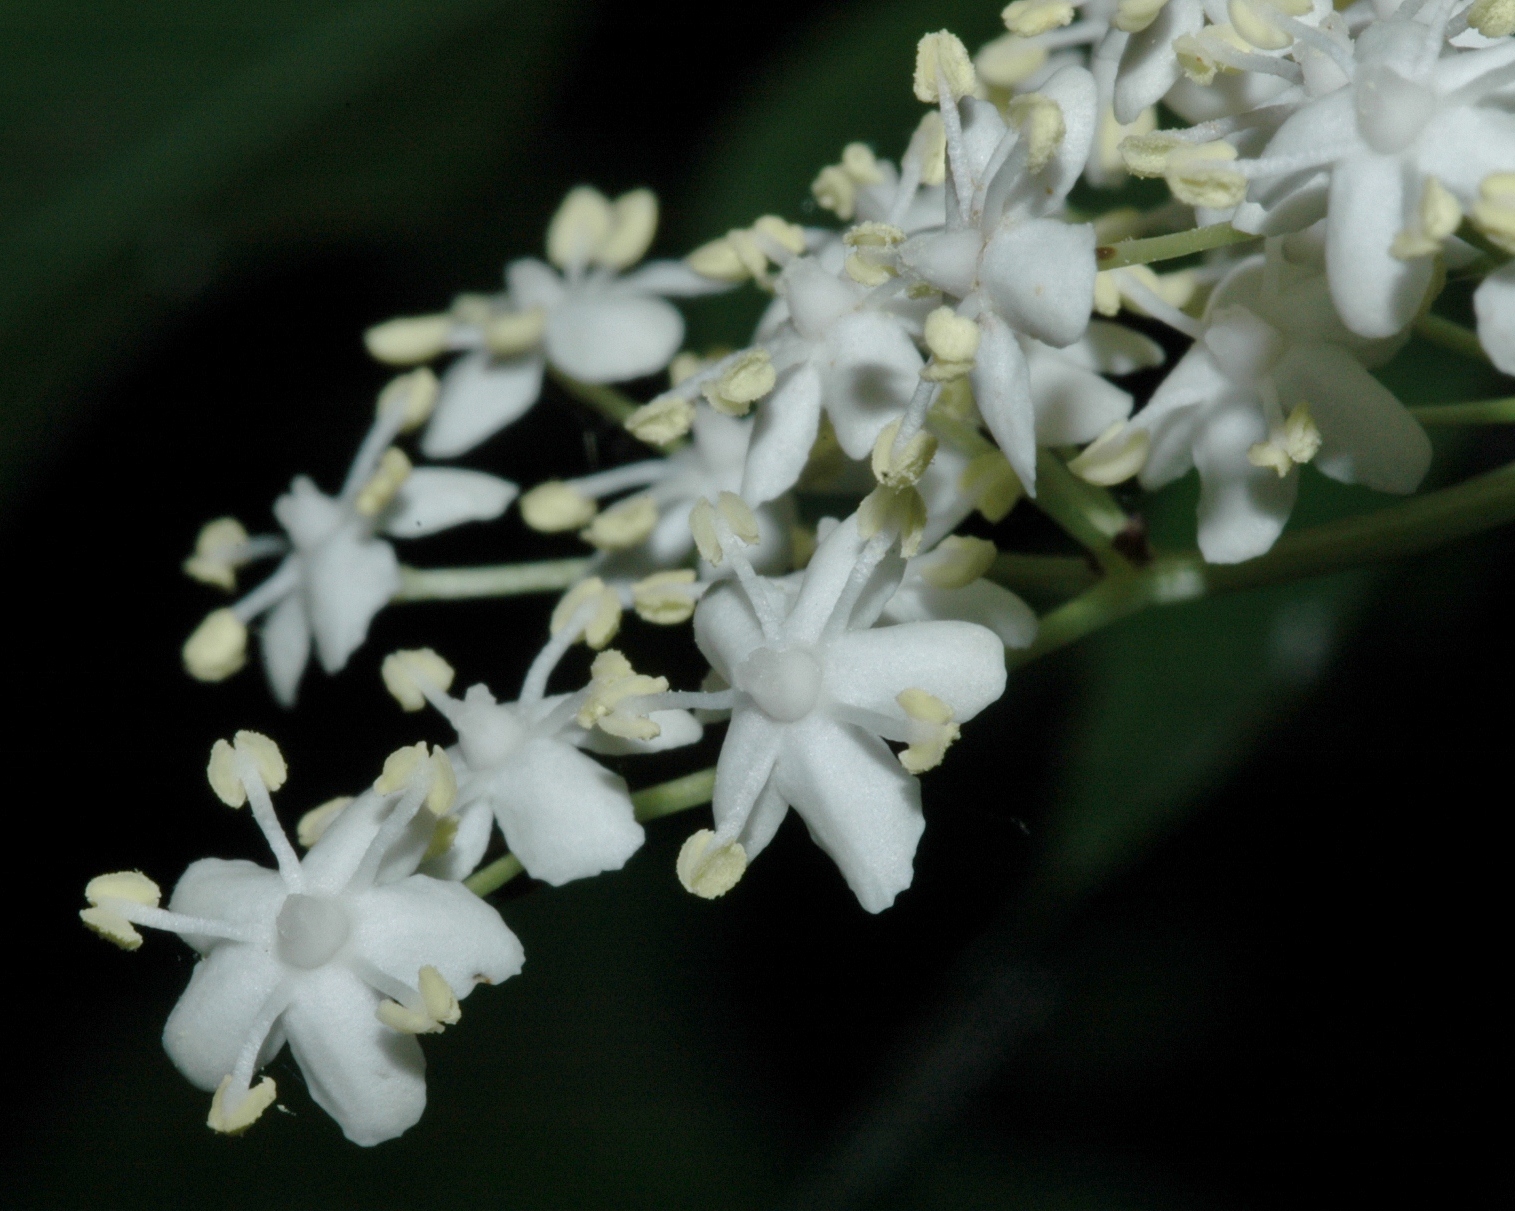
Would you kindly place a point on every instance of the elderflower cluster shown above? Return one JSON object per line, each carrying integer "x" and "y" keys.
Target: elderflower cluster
{"x": 951, "y": 346}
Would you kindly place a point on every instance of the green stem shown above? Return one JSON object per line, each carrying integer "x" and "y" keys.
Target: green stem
{"x": 607, "y": 401}
{"x": 498, "y": 580}
{"x": 1089, "y": 514}
{"x": 1168, "y": 247}
{"x": 1052, "y": 575}
{"x": 1417, "y": 525}
{"x": 1469, "y": 234}
{"x": 1450, "y": 336}
{"x": 650, "y": 803}
{"x": 1483, "y": 412}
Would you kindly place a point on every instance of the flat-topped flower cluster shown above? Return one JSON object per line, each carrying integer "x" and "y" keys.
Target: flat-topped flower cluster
{"x": 944, "y": 350}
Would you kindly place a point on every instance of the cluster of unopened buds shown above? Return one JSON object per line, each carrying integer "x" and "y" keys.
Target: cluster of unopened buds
{"x": 945, "y": 352}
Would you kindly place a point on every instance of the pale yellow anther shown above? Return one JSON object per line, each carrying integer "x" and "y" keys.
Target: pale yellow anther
{"x": 1198, "y": 175}
{"x": 942, "y": 57}
{"x": 405, "y": 671}
{"x": 111, "y": 926}
{"x": 612, "y": 681}
{"x": 404, "y": 765}
{"x": 992, "y": 484}
{"x": 438, "y": 997}
{"x": 130, "y": 885}
{"x": 216, "y": 549}
{"x": 933, "y": 733}
{"x": 872, "y": 262}
{"x": 867, "y": 271}
{"x": 222, "y": 774}
{"x": 932, "y": 137}
{"x": 1107, "y": 293}
{"x": 413, "y": 396}
{"x": 1108, "y": 136}
{"x": 702, "y": 528}
{"x": 957, "y": 562}
{"x": 555, "y": 506}
{"x": 1494, "y": 212}
{"x": 955, "y": 402}
{"x": 1031, "y": 17}
{"x": 1201, "y": 55}
{"x": 406, "y": 1021}
{"x": 604, "y": 617}
{"x": 1122, "y": 223}
{"x": 633, "y": 223}
{"x": 384, "y": 485}
{"x": 1177, "y": 289}
{"x": 1114, "y": 456}
{"x": 217, "y": 648}
{"x": 902, "y": 510}
{"x": 900, "y": 469}
{"x": 951, "y": 337}
{"x": 399, "y": 767}
{"x": 1493, "y": 18}
{"x": 665, "y": 598}
{"x": 684, "y": 366}
{"x": 314, "y": 823}
{"x": 1008, "y": 60}
{"x": 789, "y": 236}
{"x": 580, "y": 227}
{"x": 474, "y": 310}
{"x": 623, "y": 525}
{"x": 740, "y": 517}
{"x": 1133, "y": 16}
{"x": 1042, "y": 127}
{"x": 234, "y": 1120}
{"x": 444, "y": 783}
{"x": 718, "y": 260}
{"x": 745, "y": 381}
{"x": 1146, "y": 155}
{"x": 409, "y": 339}
{"x": 710, "y": 873}
{"x": 442, "y": 837}
{"x": 873, "y": 235}
{"x": 1250, "y": 19}
{"x": 664, "y": 420}
{"x": 265, "y": 755}
{"x": 859, "y": 163}
{"x": 515, "y": 332}
{"x": 835, "y": 191}
{"x": 1439, "y": 215}
{"x": 1292, "y": 446}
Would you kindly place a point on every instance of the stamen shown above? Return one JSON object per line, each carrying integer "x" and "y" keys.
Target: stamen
{"x": 397, "y": 822}
{"x": 707, "y": 868}
{"x": 216, "y": 648}
{"x": 263, "y": 813}
{"x": 868, "y": 561}
{"x": 235, "y": 1105}
{"x": 313, "y": 824}
{"x": 409, "y": 674}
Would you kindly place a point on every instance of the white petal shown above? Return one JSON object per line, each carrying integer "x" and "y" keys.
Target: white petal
{"x": 984, "y": 602}
{"x": 480, "y": 396}
{"x": 213, "y": 1018}
{"x": 1073, "y": 89}
{"x": 418, "y": 922}
{"x": 609, "y": 338}
{"x": 1116, "y": 349}
{"x": 237, "y": 892}
{"x": 826, "y": 576}
{"x": 1149, "y": 68}
{"x": 946, "y": 259}
{"x": 563, "y": 815}
{"x": 1176, "y": 407}
{"x": 437, "y": 498}
{"x": 1073, "y": 406}
{"x": 763, "y": 822}
{"x": 284, "y": 640}
{"x": 725, "y": 628}
{"x": 678, "y": 728}
{"x": 1002, "y": 387}
{"x": 347, "y": 582}
{"x": 746, "y": 761}
{"x": 870, "y": 368}
{"x": 1242, "y": 508}
{"x": 1367, "y": 436}
{"x": 462, "y": 857}
{"x": 672, "y": 279}
{"x": 371, "y": 1079}
{"x": 859, "y": 804}
{"x": 533, "y": 283}
{"x": 1376, "y": 293}
{"x": 958, "y": 662}
{"x": 1040, "y": 276}
{"x": 1460, "y": 147}
{"x": 1494, "y": 304}
{"x": 783, "y": 435}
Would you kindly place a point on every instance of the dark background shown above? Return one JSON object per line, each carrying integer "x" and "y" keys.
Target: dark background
{"x": 1207, "y": 912}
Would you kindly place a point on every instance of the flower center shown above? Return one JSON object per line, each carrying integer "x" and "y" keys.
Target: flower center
{"x": 785, "y": 684}
{"x": 1391, "y": 111}
{"x": 489, "y": 733}
{"x": 311, "y": 930}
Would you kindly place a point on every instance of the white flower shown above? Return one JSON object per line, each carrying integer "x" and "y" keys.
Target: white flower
{"x": 947, "y": 582}
{"x": 1274, "y": 381}
{"x": 338, "y": 573}
{"x": 1016, "y": 270}
{"x": 339, "y": 955}
{"x": 563, "y": 814}
{"x": 815, "y": 689}
{"x": 594, "y": 321}
{"x": 1393, "y": 159}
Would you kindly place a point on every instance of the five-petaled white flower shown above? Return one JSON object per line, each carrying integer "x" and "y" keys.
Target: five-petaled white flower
{"x": 342, "y": 955}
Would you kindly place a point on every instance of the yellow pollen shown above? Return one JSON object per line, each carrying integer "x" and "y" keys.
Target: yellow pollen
{"x": 665, "y": 598}
{"x": 1198, "y": 176}
{"x": 633, "y": 223}
{"x": 1250, "y": 19}
{"x": 905, "y": 468}
{"x": 604, "y": 622}
{"x": 579, "y": 228}
{"x": 664, "y": 420}
{"x": 217, "y": 648}
{"x": 555, "y": 506}
{"x": 957, "y": 562}
{"x": 1133, "y": 16}
{"x": 992, "y": 484}
{"x": 1294, "y": 445}
{"x": 222, "y": 770}
{"x": 1042, "y": 127}
{"x": 612, "y": 681}
{"x": 403, "y": 671}
{"x": 932, "y": 133}
{"x": 1114, "y": 456}
{"x": 237, "y": 1119}
{"x": 901, "y": 509}
{"x": 215, "y": 550}
{"x": 387, "y": 480}
{"x": 409, "y": 339}
{"x": 515, "y": 332}
{"x": 1027, "y": 18}
{"x": 1494, "y": 212}
{"x": 623, "y": 525}
{"x": 314, "y": 823}
{"x": 1493, "y": 18}
{"x": 709, "y": 873}
{"x": 746, "y": 381}
{"x": 1006, "y": 61}
{"x": 415, "y": 393}
{"x": 933, "y": 731}
{"x": 943, "y": 56}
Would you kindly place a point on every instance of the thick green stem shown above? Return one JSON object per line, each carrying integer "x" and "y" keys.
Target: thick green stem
{"x": 1089, "y": 514}
{"x": 1450, "y": 336}
{"x": 499, "y": 580}
{"x": 607, "y": 401}
{"x": 1469, "y": 234}
{"x": 1168, "y": 247}
{"x": 1483, "y": 412}
{"x": 1053, "y": 575}
{"x": 1418, "y": 525}
{"x": 650, "y": 803}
